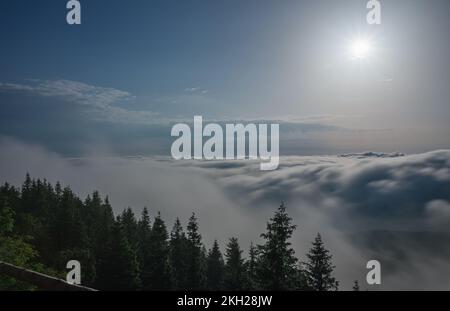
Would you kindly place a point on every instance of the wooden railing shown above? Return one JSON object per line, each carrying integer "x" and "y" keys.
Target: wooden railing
{"x": 41, "y": 281}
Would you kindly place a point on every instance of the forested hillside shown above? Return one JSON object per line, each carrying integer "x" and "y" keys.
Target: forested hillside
{"x": 43, "y": 226}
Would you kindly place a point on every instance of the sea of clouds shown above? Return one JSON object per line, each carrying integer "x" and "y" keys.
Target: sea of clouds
{"x": 390, "y": 207}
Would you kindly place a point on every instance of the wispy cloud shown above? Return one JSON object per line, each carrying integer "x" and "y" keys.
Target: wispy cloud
{"x": 70, "y": 91}
{"x": 101, "y": 100}
{"x": 197, "y": 90}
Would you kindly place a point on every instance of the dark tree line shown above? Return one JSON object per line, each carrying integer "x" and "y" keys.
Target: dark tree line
{"x": 43, "y": 226}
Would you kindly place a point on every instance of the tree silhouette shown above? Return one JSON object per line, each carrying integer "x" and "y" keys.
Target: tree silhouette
{"x": 42, "y": 227}
{"x": 252, "y": 268}
{"x": 319, "y": 267}
{"x": 195, "y": 276}
{"x": 144, "y": 250}
{"x": 277, "y": 263}
{"x": 159, "y": 276}
{"x": 178, "y": 260}
{"x": 215, "y": 268}
{"x": 234, "y": 268}
{"x": 121, "y": 271}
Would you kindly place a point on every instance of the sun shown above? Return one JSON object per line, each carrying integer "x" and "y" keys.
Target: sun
{"x": 360, "y": 48}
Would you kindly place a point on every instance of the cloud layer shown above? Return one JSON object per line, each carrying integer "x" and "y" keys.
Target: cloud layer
{"x": 359, "y": 204}
{"x": 375, "y": 189}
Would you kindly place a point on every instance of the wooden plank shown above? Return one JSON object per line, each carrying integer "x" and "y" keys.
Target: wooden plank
{"x": 41, "y": 281}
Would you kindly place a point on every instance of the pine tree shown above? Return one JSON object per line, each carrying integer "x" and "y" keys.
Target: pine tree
{"x": 251, "y": 268}
{"x": 6, "y": 217}
{"x": 203, "y": 266}
{"x": 130, "y": 227}
{"x": 119, "y": 270}
{"x": 144, "y": 224}
{"x": 158, "y": 264}
{"x": 178, "y": 259}
{"x": 277, "y": 264}
{"x": 66, "y": 227}
{"x": 234, "y": 267}
{"x": 26, "y": 195}
{"x": 195, "y": 276}
{"x": 68, "y": 234}
{"x": 215, "y": 268}
{"x": 319, "y": 267}
{"x": 144, "y": 251}
{"x": 98, "y": 219}
{"x": 301, "y": 282}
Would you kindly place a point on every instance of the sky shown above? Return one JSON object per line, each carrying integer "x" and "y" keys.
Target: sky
{"x": 130, "y": 70}
{"x": 364, "y": 142}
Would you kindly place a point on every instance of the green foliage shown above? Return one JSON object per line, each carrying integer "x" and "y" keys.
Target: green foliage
{"x": 43, "y": 227}
{"x": 195, "y": 275}
{"x": 17, "y": 252}
{"x": 215, "y": 268}
{"x": 319, "y": 268}
{"x": 235, "y": 276}
{"x": 144, "y": 252}
{"x": 6, "y": 218}
{"x": 251, "y": 268}
{"x": 179, "y": 262}
{"x": 277, "y": 263}
{"x": 120, "y": 270}
{"x": 158, "y": 261}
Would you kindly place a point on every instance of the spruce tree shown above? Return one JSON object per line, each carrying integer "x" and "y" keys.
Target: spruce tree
{"x": 99, "y": 219}
{"x": 130, "y": 227}
{"x": 6, "y": 217}
{"x": 319, "y": 267}
{"x": 251, "y": 268}
{"x": 144, "y": 224}
{"x": 234, "y": 267}
{"x": 195, "y": 276}
{"x": 277, "y": 263}
{"x": 215, "y": 268}
{"x": 119, "y": 270}
{"x": 158, "y": 264}
{"x": 66, "y": 226}
{"x": 26, "y": 205}
{"x": 144, "y": 251}
{"x": 99, "y": 223}
{"x": 301, "y": 282}
{"x": 178, "y": 259}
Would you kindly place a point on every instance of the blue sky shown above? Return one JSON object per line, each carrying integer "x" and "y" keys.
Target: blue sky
{"x": 159, "y": 61}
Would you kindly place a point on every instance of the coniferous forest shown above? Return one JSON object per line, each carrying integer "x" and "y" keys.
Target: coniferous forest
{"x": 43, "y": 226}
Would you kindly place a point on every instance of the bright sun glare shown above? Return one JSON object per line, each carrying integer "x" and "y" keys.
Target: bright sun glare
{"x": 360, "y": 49}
